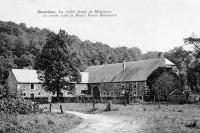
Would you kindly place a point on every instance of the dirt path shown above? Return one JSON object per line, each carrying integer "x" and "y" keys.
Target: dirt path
{"x": 99, "y": 123}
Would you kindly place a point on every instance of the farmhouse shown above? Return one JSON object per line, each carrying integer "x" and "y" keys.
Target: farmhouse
{"x": 115, "y": 81}
{"x": 25, "y": 82}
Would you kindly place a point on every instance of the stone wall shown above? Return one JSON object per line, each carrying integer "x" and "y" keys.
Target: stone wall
{"x": 25, "y": 90}
{"x": 38, "y": 91}
{"x": 117, "y": 89}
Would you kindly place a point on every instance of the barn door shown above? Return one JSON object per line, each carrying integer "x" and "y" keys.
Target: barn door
{"x": 96, "y": 92}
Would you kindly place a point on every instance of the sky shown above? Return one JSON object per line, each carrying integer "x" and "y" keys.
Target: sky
{"x": 151, "y": 25}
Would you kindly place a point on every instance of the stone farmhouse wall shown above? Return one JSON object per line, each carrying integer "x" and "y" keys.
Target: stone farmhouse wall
{"x": 29, "y": 90}
{"x": 118, "y": 89}
{"x": 25, "y": 90}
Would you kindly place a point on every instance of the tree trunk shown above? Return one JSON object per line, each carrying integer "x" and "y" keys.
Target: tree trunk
{"x": 158, "y": 99}
{"x": 58, "y": 95}
{"x": 198, "y": 86}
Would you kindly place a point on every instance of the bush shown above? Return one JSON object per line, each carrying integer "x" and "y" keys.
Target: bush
{"x": 19, "y": 105}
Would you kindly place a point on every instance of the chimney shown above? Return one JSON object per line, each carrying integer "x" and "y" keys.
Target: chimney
{"x": 124, "y": 65}
{"x": 161, "y": 55}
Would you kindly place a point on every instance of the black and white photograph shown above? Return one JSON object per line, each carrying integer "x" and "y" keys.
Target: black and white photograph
{"x": 99, "y": 66}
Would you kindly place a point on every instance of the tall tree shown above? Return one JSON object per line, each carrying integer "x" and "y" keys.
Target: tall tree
{"x": 195, "y": 42}
{"x": 194, "y": 71}
{"x": 56, "y": 64}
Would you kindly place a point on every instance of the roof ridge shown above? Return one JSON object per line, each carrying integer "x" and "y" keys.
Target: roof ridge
{"x": 126, "y": 62}
{"x": 135, "y": 71}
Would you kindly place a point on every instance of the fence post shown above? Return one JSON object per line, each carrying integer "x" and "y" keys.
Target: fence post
{"x": 142, "y": 99}
{"x": 61, "y": 110}
{"x": 93, "y": 103}
{"x": 50, "y": 107}
{"x": 109, "y": 106}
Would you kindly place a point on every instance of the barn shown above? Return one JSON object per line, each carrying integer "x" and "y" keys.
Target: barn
{"x": 125, "y": 81}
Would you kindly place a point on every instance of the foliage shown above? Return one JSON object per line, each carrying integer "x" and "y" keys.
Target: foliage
{"x": 194, "y": 67}
{"x": 182, "y": 58}
{"x": 150, "y": 55}
{"x": 162, "y": 82}
{"x": 21, "y": 46}
{"x": 195, "y": 42}
{"x": 58, "y": 63}
{"x": 19, "y": 106}
{"x": 37, "y": 123}
{"x": 167, "y": 82}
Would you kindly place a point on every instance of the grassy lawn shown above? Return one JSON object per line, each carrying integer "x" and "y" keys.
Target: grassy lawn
{"x": 78, "y": 107}
{"x": 167, "y": 119}
{"x": 38, "y": 123}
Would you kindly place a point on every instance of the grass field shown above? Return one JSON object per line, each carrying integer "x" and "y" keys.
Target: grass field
{"x": 152, "y": 119}
{"x": 38, "y": 123}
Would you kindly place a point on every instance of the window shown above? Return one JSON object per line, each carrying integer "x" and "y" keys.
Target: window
{"x": 146, "y": 91}
{"x": 32, "y": 86}
{"x": 135, "y": 85}
{"x": 32, "y": 95}
{"x": 38, "y": 93}
{"x": 83, "y": 91}
{"x": 24, "y": 94}
{"x": 134, "y": 92}
{"x": 107, "y": 92}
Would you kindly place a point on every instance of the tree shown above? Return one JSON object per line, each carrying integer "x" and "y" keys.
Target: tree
{"x": 193, "y": 70}
{"x": 6, "y": 63}
{"x": 180, "y": 57}
{"x": 195, "y": 42}
{"x": 136, "y": 53}
{"x": 56, "y": 64}
{"x": 150, "y": 55}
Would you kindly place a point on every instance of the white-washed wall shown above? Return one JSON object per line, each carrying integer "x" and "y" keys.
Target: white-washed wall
{"x": 79, "y": 88}
{"x": 38, "y": 91}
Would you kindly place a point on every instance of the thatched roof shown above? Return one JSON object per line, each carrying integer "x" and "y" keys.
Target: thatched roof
{"x": 134, "y": 70}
